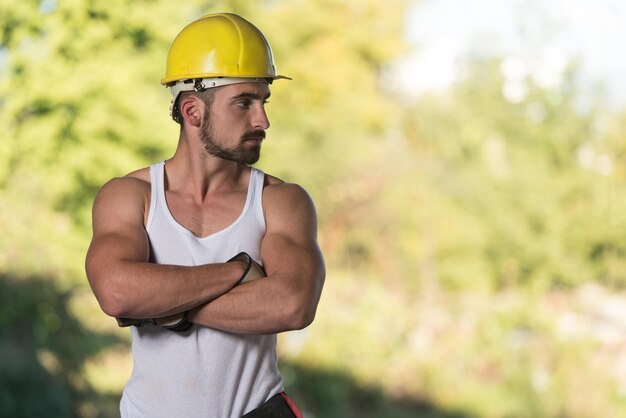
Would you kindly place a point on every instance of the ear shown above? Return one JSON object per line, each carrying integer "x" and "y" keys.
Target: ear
{"x": 192, "y": 110}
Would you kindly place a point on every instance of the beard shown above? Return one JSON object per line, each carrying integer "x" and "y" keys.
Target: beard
{"x": 240, "y": 153}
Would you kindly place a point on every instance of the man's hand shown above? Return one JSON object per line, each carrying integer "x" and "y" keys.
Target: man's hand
{"x": 176, "y": 322}
{"x": 253, "y": 270}
{"x": 127, "y": 322}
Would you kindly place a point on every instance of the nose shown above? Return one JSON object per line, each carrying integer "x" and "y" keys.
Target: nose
{"x": 260, "y": 119}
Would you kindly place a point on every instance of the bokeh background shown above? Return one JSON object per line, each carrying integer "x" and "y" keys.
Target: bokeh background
{"x": 467, "y": 160}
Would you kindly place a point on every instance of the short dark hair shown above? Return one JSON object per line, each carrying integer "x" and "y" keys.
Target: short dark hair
{"x": 205, "y": 95}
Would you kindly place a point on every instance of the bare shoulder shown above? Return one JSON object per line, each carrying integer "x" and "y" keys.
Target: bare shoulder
{"x": 142, "y": 174}
{"x": 278, "y": 193}
{"x": 124, "y": 196}
{"x": 128, "y": 186}
{"x": 286, "y": 203}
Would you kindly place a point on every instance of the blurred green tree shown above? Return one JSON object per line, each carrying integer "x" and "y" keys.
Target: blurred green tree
{"x": 532, "y": 184}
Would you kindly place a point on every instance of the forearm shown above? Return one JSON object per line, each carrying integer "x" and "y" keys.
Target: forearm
{"x": 287, "y": 298}
{"x": 146, "y": 290}
{"x": 266, "y": 306}
{"x": 125, "y": 283}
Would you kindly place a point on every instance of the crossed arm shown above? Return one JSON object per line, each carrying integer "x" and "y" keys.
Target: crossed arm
{"x": 287, "y": 298}
{"x": 126, "y": 284}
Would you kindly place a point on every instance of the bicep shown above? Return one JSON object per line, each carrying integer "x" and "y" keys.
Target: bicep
{"x": 290, "y": 244}
{"x": 118, "y": 230}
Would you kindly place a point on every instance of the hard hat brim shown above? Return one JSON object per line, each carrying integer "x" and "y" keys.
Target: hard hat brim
{"x": 169, "y": 81}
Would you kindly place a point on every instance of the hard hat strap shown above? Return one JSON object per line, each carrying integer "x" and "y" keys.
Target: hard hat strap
{"x": 199, "y": 84}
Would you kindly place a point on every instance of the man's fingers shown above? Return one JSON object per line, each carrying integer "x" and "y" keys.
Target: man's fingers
{"x": 254, "y": 272}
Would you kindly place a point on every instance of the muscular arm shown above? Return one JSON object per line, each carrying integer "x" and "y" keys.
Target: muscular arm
{"x": 125, "y": 283}
{"x": 287, "y": 298}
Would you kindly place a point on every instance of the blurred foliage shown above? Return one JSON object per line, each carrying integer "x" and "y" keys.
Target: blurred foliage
{"x": 44, "y": 350}
{"x": 463, "y": 231}
{"x": 536, "y": 183}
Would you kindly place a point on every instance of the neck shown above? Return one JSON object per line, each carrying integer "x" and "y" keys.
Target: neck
{"x": 193, "y": 170}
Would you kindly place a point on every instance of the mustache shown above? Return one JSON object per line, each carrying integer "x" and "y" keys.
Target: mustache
{"x": 258, "y": 134}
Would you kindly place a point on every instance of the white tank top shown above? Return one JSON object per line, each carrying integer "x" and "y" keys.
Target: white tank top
{"x": 202, "y": 372}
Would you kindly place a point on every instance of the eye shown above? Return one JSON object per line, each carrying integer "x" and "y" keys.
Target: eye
{"x": 243, "y": 104}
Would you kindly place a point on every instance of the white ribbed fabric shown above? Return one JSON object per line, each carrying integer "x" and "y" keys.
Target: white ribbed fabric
{"x": 202, "y": 372}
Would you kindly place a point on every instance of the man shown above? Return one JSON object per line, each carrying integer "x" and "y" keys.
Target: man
{"x": 178, "y": 246}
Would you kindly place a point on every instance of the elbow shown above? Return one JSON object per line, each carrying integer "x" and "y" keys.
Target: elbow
{"x": 110, "y": 304}
{"x": 109, "y": 298}
{"x": 301, "y": 308}
{"x": 111, "y": 294}
{"x": 300, "y": 317}
{"x": 111, "y": 307}
{"x": 302, "y": 322}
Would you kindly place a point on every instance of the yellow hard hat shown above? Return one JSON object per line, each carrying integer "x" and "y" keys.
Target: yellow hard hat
{"x": 221, "y": 45}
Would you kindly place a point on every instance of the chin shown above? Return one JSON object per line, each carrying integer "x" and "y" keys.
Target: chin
{"x": 250, "y": 161}
{"x": 252, "y": 156}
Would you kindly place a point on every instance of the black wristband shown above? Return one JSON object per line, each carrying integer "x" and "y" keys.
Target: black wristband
{"x": 242, "y": 256}
{"x": 127, "y": 322}
{"x": 181, "y": 325}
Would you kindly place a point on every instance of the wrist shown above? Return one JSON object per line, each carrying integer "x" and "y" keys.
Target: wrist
{"x": 243, "y": 262}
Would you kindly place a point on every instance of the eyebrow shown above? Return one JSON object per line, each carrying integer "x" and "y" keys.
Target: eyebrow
{"x": 255, "y": 96}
